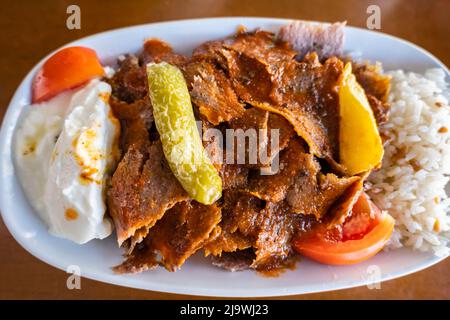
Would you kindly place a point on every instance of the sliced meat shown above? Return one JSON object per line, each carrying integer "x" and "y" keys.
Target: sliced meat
{"x": 315, "y": 193}
{"x": 274, "y": 188}
{"x": 372, "y": 79}
{"x": 234, "y": 176}
{"x": 304, "y": 37}
{"x": 264, "y": 73}
{"x": 178, "y": 235}
{"x": 213, "y": 142}
{"x": 212, "y": 92}
{"x": 248, "y": 145}
{"x": 210, "y": 51}
{"x": 130, "y": 102}
{"x": 143, "y": 188}
{"x": 377, "y": 87}
{"x": 227, "y": 242}
{"x": 276, "y": 225}
{"x": 285, "y": 133}
{"x": 342, "y": 208}
{"x": 234, "y": 261}
{"x": 300, "y": 182}
{"x": 134, "y": 132}
{"x": 306, "y": 94}
{"x": 138, "y": 109}
{"x": 136, "y": 119}
{"x": 240, "y": 213}
{"x": 250, "y": 59}
{"x": 262, "y": 46}
{"x": 262, "y": 137}
{"x": 273, "y": 247}
{"x": 251, "y": 78}
{"x": 380, "y": 110}
{"x": 238, "y": 225}
{"x": 140, "y": 260}
{"x": 248, "y": 222}
{"x": 156, "y": 50}
{"x": 183, "y": 230}
{"x": 129, "y": 83}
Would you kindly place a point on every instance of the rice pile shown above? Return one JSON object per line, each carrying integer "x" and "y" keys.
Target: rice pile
{"x": 411, "y": 183}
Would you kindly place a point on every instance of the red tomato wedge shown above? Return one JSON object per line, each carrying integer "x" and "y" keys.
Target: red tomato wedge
{"x": 66, "y": 69}
{"x": 362, "y": 236}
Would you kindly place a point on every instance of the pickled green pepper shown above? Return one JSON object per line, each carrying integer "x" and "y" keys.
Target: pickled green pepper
{"x": 181, "y": 142}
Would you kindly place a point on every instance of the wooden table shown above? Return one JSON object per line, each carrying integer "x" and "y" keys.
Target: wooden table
{"x": 31, "y": 29}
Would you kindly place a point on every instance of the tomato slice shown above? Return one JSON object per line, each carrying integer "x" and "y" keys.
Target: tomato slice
{"x": 362, "y": 236}
{"x": 365, "y": 216}
{"x": 66, "y": 69}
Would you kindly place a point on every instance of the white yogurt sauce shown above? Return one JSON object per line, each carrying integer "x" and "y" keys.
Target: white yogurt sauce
{"x": 65, "y": 149}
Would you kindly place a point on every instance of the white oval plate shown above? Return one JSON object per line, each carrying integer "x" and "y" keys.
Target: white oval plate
{"x": 198, "y": 277}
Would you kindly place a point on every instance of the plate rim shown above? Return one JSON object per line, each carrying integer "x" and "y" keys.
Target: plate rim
{"x": 212, "y": 292}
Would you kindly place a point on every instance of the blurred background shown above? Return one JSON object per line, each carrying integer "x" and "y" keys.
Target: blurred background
{"x": 31, "y": 29}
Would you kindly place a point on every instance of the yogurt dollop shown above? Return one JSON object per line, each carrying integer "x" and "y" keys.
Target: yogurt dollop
{"x": 65, "y": 149}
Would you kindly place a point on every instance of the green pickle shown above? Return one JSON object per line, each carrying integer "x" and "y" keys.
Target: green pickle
{"x": 181, "y": 142}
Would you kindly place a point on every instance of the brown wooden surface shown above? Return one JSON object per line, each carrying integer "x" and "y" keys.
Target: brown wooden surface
{"x": 31, "y": 29}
